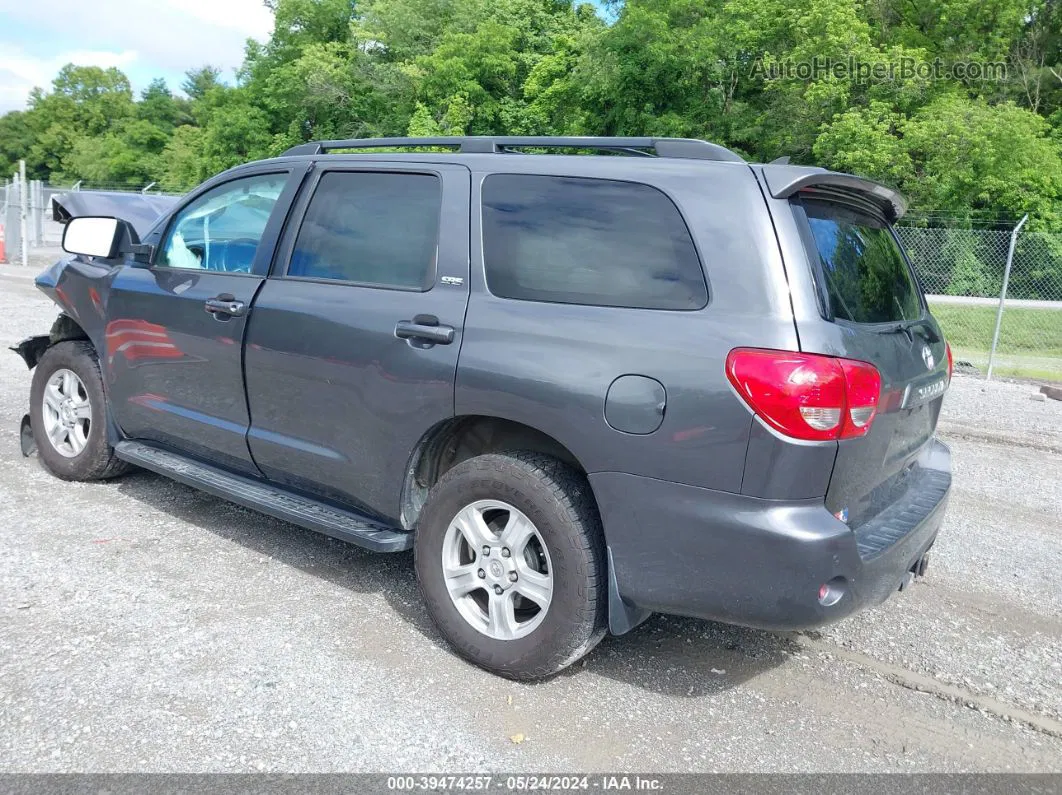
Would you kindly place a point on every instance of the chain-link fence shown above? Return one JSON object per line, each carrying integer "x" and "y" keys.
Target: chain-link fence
{"x": 962, "y": 271}
{"x": 36, "y": 237}
{"x": 26, "y": 223}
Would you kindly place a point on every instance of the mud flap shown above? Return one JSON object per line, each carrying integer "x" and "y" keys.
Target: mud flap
{"x": 622, "y": 617}
{"x": 25, "y": 437}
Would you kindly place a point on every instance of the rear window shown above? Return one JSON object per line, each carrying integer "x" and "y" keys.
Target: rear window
{"x": 588, "y": 241}
{"x": 864, "y": 275}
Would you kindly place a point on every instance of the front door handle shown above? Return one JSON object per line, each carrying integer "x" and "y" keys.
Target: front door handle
{"x": 225, "y": 304}
{"x": 424, "y": 329}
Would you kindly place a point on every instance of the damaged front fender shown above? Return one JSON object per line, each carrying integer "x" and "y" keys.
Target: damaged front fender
{"x": 32, "y": 349}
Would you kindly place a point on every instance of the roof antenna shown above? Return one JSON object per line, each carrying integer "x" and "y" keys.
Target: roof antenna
{"x": 780, "y": 161}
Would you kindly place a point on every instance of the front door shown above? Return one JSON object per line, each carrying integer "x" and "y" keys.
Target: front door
{"x": 352, "y": 348}
{"x": 175, "y": 330}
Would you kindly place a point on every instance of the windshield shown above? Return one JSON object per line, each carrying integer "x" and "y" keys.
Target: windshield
{"x": 866, "y": 278}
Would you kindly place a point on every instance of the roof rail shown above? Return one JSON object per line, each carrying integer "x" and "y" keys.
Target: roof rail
{"x": 688, "y": 148}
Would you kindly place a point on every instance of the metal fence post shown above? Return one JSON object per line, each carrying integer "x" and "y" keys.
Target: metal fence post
{"x": 34, "y": 226}
{"x": 23, "y": 200}
{"x": 39, "y": 232}
{"x": 3, "y": 221}
{"x": 1003, "y": 293}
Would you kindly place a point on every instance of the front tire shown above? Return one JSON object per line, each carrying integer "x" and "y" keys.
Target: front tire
{"x": 510, "y": 558}
{"x": 68, "y": 413}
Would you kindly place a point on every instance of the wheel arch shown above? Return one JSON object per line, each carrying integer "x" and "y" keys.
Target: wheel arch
{"x": 457, "y": 439}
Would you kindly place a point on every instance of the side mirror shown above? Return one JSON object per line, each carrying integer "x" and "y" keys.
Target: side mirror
{"x": 103, "y": 237}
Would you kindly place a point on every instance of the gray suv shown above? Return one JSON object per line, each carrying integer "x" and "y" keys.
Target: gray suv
{"x": 584, "y": 379}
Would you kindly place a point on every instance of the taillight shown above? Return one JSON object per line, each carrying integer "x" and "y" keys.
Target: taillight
{"x": 862, "y": 390}
{"x": 951, "y": 361}
{"x": 806, "y": 396}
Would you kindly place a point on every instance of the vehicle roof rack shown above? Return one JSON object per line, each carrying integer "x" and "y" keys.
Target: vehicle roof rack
{"x": 688, "y": 148}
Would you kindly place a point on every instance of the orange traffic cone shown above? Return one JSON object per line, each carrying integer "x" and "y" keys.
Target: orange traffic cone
{"x": 3, "y": 250}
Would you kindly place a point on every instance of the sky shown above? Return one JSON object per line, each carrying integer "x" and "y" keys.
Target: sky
{"x": 146, "y": 39}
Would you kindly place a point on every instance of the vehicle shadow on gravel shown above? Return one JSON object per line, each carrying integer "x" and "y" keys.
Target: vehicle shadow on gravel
{"x": 670, "y": 655}
{"x": 687, "y": 657}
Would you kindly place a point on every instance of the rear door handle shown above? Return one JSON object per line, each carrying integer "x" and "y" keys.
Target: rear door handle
{"x": 424, "y": 328}
{"x": 225, "y": 304}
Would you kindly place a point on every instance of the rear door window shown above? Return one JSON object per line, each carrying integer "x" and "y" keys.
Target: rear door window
{"x": 371, "y": 228}
{"x": 863, "y": 275}
{"x": 588, "y": 241}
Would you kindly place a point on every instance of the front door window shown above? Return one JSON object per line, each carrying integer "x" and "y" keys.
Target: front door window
{"x": 221, "y": 229}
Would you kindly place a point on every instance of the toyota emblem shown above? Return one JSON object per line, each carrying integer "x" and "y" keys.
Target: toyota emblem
{"x": 927, "y": 357}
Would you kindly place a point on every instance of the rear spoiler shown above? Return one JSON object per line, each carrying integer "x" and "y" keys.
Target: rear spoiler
{"x": 784, "y": 181}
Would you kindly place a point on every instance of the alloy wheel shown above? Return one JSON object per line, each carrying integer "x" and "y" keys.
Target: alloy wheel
{"x": 497, "y": 569}
{"x": 67, "y": 413}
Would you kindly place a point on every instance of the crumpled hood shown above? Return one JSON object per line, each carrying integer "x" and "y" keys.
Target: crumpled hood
{"x": 138, "y": 209}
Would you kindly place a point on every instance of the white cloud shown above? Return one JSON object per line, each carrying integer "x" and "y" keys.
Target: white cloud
{"x": 148, "y": 37}
{"x": 248, "y": 17}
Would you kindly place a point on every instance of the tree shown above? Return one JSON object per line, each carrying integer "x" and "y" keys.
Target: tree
{"x": 235, "y": 131}
{"x": 160, "y": 108}
{"x": 199, "y": 82}
{"x": 16, "y": 140}
{"x": 85, "y": 102}
{"x": 181, "y": 165}
{"x": 125, "y": 157}
{"x": 955, "y": 155}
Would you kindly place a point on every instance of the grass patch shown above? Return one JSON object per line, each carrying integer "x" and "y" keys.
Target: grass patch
{"x": 1037, "y": 331}
{"x": 1030, "y": 340}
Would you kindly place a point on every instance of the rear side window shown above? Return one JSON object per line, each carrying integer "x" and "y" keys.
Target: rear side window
{"x": 588, "y": 241}
{"x": 378, "y": 229}
{"x": 864, "y": 276}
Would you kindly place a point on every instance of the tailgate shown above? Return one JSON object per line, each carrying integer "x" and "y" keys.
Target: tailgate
{"x": 872, "y": 310}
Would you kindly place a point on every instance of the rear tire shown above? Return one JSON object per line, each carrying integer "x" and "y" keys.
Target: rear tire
{"x": 538, "y": 540}
{"x": 68, "y": 410}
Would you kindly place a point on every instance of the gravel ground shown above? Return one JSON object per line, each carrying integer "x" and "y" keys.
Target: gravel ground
{"x": 148, "y": 627}
{"x": 1002, "y": 411}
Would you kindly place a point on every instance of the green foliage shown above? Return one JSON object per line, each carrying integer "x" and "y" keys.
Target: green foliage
{"x": 701, "y": 68}
{"x": 17, "y": 137}
{"x": 969, "y": 276}
{"x": 199, "y": 82}
{"x": 161, "y": 109}
{"x": 182, "y": 164}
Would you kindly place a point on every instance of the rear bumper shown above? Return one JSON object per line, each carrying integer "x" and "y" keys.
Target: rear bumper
{"x": 743, "y": 560}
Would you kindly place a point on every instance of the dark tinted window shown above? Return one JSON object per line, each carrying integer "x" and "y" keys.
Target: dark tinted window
{"x": 588, "y": 241}
{"x": 865, "y": 275}
{"x": 372, "y": 228}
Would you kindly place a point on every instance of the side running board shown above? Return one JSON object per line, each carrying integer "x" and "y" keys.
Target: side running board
{"x": 306, "y": 512}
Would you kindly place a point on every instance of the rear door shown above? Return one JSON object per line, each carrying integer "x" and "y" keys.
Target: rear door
{"x": 352, "y": 349}
{"x": 871, "y": 308}
{"x": 174, "y": 335}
